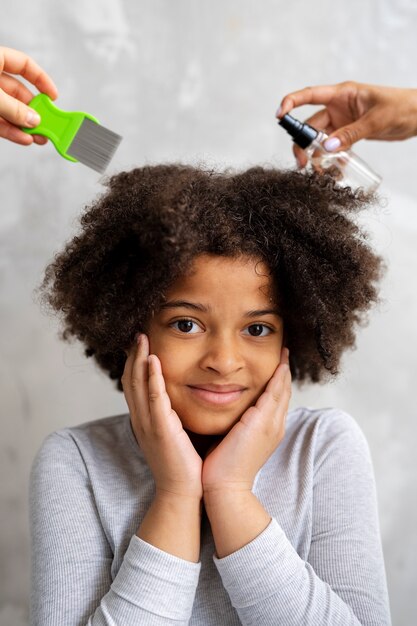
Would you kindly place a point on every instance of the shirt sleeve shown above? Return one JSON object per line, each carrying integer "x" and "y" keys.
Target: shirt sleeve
{"x": 343, "y": 581}
{"x": 71, "y": 557}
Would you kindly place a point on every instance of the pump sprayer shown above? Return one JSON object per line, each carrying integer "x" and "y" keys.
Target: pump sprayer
{"x": 345, "y": 166}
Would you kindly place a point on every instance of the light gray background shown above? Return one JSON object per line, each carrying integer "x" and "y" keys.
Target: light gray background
{"x": 200, "y": 81}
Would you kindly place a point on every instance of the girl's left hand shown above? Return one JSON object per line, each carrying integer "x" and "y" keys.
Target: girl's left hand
{"x": 233, "y": 464}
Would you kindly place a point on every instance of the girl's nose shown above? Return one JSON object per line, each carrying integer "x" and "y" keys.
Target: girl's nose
{"x": 222, "y": 354}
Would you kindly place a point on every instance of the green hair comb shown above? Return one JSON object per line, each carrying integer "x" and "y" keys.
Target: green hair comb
{"x": 76, "y": 135}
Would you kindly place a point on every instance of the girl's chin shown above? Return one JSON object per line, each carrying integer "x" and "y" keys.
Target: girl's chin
{"x": 213, "y": 427}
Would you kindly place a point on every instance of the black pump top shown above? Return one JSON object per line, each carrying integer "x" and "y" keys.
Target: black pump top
{"x": 303, "y": 134}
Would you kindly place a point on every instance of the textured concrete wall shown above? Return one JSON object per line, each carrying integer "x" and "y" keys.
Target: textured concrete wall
{"x": 193, "y": 80}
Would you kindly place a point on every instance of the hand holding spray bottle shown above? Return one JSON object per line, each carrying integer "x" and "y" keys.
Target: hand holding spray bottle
{"x": 345, "y": 166}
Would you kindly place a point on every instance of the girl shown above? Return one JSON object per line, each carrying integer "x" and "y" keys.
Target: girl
{"x": 201, "y": 294}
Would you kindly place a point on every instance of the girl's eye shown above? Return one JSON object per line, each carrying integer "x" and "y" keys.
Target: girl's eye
{"x": 185, "y": 326}
{"x": 258, "y": 330}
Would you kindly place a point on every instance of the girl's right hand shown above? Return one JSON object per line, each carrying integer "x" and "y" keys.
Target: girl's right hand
{"x": 175, "y": 464}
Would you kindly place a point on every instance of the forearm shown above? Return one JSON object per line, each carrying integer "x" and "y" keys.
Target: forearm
{"x": 270, "y": 582}
{"x": 323, "y": 568}
{"x": 224, "y": 509}
{"x": 173, "y": 525}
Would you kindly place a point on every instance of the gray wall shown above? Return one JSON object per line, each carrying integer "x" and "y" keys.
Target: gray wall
{"x": 193, "y": 80}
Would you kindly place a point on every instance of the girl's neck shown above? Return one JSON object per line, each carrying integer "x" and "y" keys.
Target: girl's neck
{"x": 202, "y": 443}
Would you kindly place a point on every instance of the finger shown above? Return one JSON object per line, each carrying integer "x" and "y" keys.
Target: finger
{"x": 285, "y": 356}
{"x": 15, "y": 88}
{"x": 277, "y": 393}
{"x": 16, "y": 62}
{"x": 13, "y": 133}
{"x": 159, "y": 402}
{"x": 321, "y": 94}
{"x": 131, "y": 385}
{"x": 16, "y": 112}
{"x": 321, "y": 121}
{"x": 125, "y": 380}
{"x": 344, "y": 137}
{"x": 40, "y": 139}
{"x": 300, "y": 156}
{"x": 137, "y": 387}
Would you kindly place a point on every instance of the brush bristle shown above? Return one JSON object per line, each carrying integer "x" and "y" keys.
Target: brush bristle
{"x": 94, "y": 145}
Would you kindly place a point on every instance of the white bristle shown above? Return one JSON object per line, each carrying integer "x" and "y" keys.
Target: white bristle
{"x": 94, "y": 145}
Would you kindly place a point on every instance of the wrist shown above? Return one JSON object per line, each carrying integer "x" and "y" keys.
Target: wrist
{"x": 227, "y": 488}
{"x": 213, "y": 496}
{"x": 173, "y": 497}
{"x": 223, "y": 508}
{"x": 172, "y": 524}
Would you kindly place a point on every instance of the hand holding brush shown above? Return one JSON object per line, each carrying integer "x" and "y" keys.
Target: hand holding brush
{"x": 15, "y": 96}
{"x": 77, "y": 136}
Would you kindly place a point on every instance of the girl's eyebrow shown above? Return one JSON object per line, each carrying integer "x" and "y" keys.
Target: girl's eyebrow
{"x": 176, "y": 304}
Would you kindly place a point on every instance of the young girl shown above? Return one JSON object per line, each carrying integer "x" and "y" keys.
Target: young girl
{"x": 201, "y": 293}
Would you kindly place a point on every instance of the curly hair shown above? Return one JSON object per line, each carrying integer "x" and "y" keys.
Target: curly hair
{"x": 143, "y": 233}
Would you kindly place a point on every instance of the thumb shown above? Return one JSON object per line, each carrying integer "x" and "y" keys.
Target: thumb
{"x": 346, "y": 136}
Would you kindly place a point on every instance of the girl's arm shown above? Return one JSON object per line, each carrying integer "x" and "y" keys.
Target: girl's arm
{"x": 72, "y": 558}
{"x": 172, "y": 523}
{"x": 343, "y": 580}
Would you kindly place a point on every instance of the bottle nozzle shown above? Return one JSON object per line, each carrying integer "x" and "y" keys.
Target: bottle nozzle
{"x": 303, "y": 134}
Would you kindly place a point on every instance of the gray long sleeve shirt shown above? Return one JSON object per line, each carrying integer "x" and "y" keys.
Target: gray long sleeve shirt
{"x": 318, "y": 562}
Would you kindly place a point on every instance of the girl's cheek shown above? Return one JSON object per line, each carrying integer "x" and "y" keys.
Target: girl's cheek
{"x": 271, "y": 366}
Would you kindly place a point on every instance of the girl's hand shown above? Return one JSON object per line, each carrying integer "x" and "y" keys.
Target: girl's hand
{"x": 174, "y": 462}
{"x": 233, "y": 464}
{"x": 14, "y": 96}
{"x": 355, "y": 111}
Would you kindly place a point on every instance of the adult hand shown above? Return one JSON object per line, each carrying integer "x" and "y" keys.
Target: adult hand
{"x": 14, "y": 95}
{"x": 233, "y": 463}
{"x": 172, "y": 458}
{"x": 355, "y": 111}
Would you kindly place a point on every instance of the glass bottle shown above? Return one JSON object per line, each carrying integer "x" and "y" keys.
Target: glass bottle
{"x": 345, "y": 166}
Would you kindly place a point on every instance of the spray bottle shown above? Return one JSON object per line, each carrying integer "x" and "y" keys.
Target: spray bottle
{"x": 345, "y": 166}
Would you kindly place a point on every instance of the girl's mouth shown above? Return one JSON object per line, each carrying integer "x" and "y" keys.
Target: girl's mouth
{"x": 216, "y": 397}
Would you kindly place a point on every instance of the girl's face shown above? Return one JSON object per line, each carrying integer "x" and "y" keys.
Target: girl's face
{"x": 219, "y": 328}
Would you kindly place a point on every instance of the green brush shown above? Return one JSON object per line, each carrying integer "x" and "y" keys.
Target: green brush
{"x": 76, "y": 135}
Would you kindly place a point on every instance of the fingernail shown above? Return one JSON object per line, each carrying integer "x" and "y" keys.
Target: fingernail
{"x": 332, "y": 144}
{"x": 278, "y": 113}
{"x": 32, "y": 119}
